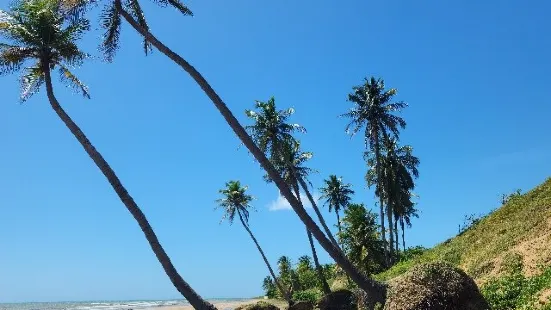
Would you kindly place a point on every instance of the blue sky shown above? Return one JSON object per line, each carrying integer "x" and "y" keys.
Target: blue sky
{"x": 475, "y": 73}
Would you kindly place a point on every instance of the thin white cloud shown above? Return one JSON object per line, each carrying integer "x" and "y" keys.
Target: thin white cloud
{"x": 282, "y": 204}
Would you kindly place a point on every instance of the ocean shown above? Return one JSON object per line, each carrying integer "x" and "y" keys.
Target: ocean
{"x": 95, "y": 305}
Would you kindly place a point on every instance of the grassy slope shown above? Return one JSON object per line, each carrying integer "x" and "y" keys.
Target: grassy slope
{"x": 521, "y": 228}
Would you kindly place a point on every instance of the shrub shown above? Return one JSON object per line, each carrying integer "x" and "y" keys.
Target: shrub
{"x": 504, "y": 293}
{"x": 311, "y": 295}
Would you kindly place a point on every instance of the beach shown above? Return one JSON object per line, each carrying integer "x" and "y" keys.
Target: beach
{"x": 227, "y": 304}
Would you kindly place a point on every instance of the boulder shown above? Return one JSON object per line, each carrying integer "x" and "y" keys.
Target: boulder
{"x": 434, "y": 286}
{"x": 338, "y": 300}
{"x": 302, "y": 305}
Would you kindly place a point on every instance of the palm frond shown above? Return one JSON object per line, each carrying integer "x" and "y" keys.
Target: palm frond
{"x": 67, "y": 76}
{"x": 138, "y": 14}
{"x": 31, "y": 82}
{"x": 181, "y": 7}
{"x": 12, "y": 57}
{"x": 176, "y": 4}
{"x": 76, "y": 9}
{"x": 111, "y": 22}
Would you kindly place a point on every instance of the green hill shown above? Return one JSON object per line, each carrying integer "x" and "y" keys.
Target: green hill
{"x": 514, "y": 240}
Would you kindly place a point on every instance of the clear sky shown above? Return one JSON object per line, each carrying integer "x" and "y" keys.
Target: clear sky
{"x": 475, "y": 73}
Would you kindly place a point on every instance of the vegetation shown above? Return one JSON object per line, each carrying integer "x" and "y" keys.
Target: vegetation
{"x": 337, "y": 195}
{"x": 506, "y": 252}
{"x": 374, "y": 111}
{"x": 496, "y": 250}
{"x": 237, "y": 202}
{"x": 275, "y": 138}
{"x": 361, "y": 239}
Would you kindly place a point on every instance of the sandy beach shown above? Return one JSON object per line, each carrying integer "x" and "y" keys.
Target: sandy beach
{"x": 227, "y": 305}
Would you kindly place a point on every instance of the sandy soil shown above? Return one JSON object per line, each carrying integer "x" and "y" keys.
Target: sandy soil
{"x": 225, "y": 305}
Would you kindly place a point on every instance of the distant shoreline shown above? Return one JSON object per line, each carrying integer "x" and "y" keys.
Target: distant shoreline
{"x": 226, "y": 304}
{"x": 174, "y": 304}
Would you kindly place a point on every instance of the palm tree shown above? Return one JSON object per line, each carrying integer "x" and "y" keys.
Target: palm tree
{"x": 373, "y": 112}
{"x": 337, "y": 195}
{"x": 39, "y": 33}
{"x": 399, "y": 168}
{"x": 402, "y": 170}
{"x": 375, "y": 290}
{"x": 237, "y": 202}
{"x": 271, "y": 132}
{"x": 292, "y": 170}
{"x": 406, "y": 214}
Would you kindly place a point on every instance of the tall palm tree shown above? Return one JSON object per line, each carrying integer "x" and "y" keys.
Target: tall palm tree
{"x": 337, "y": 195}
{"x": 39, "y": 33}
{"x": 375, "y": 290}
{"x": 399, "y": 168}
{"x": 373, "y": 112}
{"x": 293, "y": 170}
{"x": 274, "y": 135}
{"x": 403, "y": 168}
{"x": 237, "y": 202}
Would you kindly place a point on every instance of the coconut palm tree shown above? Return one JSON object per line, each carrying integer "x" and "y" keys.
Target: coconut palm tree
{"x": 406, "y": 214}
{"x": 271, "y": 132}
{"x": 373, "y": 111}
{"x": 337, "y": 195}
{"x": 291, "y": 169}
{"x": 237, "y": 202}
{"x": 401, "y": 171}
{"x": 373, "y": 288}
{"x": 398, "y": 169}
{"x": 38, "y": 34}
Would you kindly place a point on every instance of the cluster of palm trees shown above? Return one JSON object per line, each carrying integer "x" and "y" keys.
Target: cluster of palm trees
{"x": 391, "y": 167}
{"x": 39, "y": 36}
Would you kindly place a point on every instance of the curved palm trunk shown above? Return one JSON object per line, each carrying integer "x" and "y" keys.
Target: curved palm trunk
{"x": 284, "y": 293}
{"x": 376, "y": 291}
{"x": 318, "y": 213}
{"x": 181, "y": 285}
{"x": 319, "y": 269}
{"x": 381, "y": 205}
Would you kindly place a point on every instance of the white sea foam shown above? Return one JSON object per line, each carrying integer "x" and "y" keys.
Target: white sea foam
{"x": 96, "y": 305}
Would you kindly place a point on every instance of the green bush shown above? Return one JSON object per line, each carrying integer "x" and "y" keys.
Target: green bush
{"x": 515, "y": 291}
{"x": 311, "y": 295}
{"x": 411, "y": 253}
{"x": 504, "y": 293}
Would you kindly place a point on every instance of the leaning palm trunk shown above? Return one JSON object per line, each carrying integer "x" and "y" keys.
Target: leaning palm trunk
{"x": 181, "y": 285}
{"x": 285, "y": 293}
{"x": 319, "y": 269}
{"x": 375, "y": 290}
{"x": 318, "y": 213}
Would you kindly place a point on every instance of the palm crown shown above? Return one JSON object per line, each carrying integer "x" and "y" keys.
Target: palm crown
{"x": 373, "y": 109}
{"x": 37, "y": 32}
{"x": 296, "y": 168}
{"x": 336, "y": 193}
{"x": 235, "y": 201}
{"x": 271, "y": 130}
{"x": 111, "y": 18}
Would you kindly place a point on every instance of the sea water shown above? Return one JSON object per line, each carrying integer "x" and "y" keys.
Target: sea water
{"x": 93, "y": 305}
